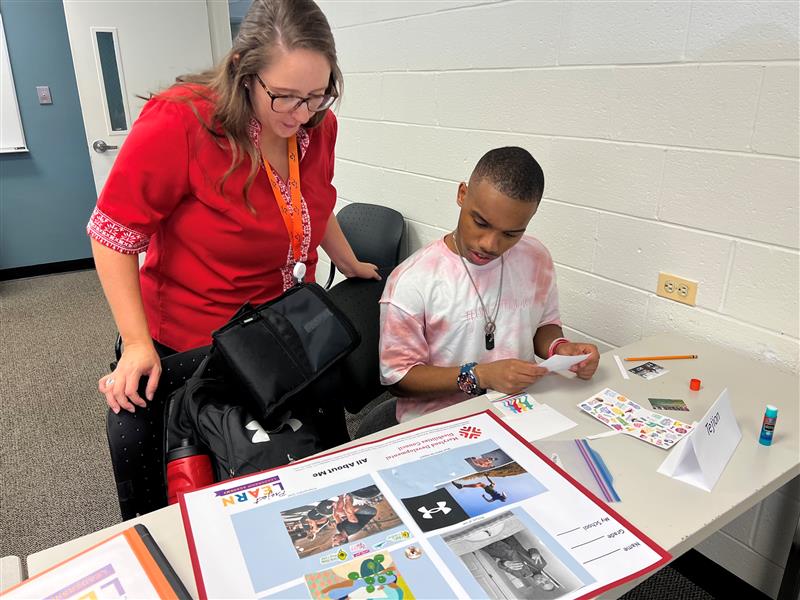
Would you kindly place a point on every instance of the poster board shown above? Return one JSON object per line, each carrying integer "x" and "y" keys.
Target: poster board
{"x": 460, "y": 509}
{"x": 12, "y": 138}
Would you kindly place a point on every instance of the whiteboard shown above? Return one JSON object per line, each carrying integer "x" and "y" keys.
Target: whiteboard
{"x": 12, "y": 139}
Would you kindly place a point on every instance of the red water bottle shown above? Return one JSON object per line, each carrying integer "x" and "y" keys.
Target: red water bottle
{"x": 187, "y": 470}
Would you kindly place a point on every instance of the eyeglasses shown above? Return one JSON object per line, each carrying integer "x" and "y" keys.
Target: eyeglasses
{"x": 287, "y": 104}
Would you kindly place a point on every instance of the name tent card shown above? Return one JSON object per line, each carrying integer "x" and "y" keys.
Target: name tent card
{"x": 700, "y": 457}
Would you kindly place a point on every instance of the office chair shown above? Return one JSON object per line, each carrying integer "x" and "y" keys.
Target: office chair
{"x": 379, "y": 418}
{"x": 136, "y": 440}
{"x": 375, "y": 234}
{"x": 359, "y": 374}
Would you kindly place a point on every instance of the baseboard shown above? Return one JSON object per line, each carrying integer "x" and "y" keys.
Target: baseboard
{"x": 64, "y": 266}
{"x": 713, "y": 578}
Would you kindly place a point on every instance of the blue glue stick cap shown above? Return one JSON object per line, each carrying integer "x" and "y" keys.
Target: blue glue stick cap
{"x": 772, "y": 411}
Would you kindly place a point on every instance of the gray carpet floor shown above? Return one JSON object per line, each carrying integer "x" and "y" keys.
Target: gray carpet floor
{"x": 56, "y": 484}
{"x": 56, "y": 338}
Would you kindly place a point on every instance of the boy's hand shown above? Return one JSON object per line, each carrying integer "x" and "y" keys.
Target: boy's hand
{"x": 509, "y": 376}
{"x": 586, "y": 368}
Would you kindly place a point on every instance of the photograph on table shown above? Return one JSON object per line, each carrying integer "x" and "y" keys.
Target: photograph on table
{"x": 374, "y": 575}
{"x": 338, "y": 520}
{"x": 509, "y": 560}
{"x": 668, "y": 404}
{"x": 649, "y": 370}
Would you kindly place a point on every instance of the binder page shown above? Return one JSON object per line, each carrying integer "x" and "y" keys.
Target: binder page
{"x": 464, "y": 508}
{"x": 111, "y": 569}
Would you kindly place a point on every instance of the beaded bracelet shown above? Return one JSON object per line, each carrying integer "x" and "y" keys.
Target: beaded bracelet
{"x": 467, "y": 380}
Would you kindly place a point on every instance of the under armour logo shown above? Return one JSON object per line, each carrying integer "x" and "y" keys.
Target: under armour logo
{"x": 260, "y": 435}
{"x": 294, "y": 424}
{"x": 428, "y": 513}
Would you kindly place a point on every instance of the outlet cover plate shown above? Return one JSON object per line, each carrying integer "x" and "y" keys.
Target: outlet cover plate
{"x": 677, "y": 288}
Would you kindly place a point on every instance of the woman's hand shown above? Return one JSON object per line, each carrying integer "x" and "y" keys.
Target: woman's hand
{"x": 121, "y": 386}
{"x": 341, "y": 254}
{"x": 362, "y": 270}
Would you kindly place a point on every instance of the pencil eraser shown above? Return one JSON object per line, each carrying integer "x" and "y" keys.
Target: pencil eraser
{"x": 694, "y": 384}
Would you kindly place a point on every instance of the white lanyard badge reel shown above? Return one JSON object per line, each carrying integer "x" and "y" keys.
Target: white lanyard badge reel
{"x": 299, "y": 272}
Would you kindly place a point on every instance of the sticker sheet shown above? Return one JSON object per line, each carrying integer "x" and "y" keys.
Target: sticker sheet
{"x": 624, "y": 415}
{"x": 462, "y": 509}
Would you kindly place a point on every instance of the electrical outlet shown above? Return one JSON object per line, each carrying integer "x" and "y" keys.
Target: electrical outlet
{"x": 677, "y": 288}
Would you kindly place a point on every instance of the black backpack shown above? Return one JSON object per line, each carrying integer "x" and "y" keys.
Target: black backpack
{"x": 211, "y": 410}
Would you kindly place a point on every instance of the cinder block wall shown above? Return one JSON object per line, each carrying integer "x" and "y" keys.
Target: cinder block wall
{"x": 668, "y": 133}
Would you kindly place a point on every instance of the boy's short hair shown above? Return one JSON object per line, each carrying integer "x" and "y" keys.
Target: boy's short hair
{"x": 512, "y": 171}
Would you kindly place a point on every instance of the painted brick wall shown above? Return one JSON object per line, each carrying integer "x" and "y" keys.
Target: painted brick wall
{"x": 668, "y": 133}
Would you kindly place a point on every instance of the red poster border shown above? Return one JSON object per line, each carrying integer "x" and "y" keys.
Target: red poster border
{"x": 665, "y": 556}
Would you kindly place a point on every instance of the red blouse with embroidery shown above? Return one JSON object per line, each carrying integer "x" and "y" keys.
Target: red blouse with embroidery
{"x": 207, "y": 253}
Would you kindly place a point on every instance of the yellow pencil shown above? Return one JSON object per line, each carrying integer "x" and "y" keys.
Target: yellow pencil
{"x": 676, "y": 357}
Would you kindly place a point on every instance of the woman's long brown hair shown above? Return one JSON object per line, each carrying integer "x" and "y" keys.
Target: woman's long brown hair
{"x": 271, "y": 26}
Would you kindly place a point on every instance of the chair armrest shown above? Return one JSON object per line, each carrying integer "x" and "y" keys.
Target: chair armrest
{"x": 331, "y": 275}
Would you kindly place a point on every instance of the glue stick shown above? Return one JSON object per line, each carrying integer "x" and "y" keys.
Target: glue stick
{"x": 768, "y": 427}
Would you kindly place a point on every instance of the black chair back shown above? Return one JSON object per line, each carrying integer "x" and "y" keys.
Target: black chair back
{"x": 358, "y": 299}
{"x": 374, "y": 232}
{"x": 136, "y": 440}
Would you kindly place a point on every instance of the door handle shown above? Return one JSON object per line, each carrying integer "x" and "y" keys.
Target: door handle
{"x": 100, "y": 146}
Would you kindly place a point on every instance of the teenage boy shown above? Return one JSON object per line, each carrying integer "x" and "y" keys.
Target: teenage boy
{"x": 469, "y": 311}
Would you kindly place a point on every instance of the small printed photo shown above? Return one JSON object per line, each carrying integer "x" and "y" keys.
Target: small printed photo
{"x": 370, "y": 576}
{"x": 649, "y": 370}
{"x": 333, "y": 522}
{"x": 668, "y": 404}
{"x": 488, "y": 460}
{"x": 481, "y": 492}
{"x": 510, "y": 561}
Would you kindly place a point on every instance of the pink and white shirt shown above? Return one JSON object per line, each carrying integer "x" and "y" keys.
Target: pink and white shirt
{"x": 431, "y": 315}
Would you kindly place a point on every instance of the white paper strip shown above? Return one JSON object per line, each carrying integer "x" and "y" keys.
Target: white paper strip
{"x": 622, "y": 370}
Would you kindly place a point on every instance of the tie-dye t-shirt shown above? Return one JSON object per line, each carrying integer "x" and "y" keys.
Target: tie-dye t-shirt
{"x": 431, "y": 315}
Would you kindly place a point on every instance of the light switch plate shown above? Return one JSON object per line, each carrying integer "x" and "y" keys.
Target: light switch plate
{"x": 43, "y": 93}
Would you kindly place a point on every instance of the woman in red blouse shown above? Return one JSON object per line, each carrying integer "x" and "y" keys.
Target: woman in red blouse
{"x": 225, "y": 180}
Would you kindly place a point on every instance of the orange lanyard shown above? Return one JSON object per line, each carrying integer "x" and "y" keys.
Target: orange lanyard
{"x": 293, "y": 219}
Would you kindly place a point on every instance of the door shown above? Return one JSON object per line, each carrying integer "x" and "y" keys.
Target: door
{"x": 123, "y": 49}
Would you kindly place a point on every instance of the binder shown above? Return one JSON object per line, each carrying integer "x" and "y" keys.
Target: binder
{"x": 129, "y": 563}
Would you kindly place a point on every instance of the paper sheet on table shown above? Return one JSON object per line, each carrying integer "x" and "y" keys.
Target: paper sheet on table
{"x": 557, "y": 362}
{"x": 541, "y": 422}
